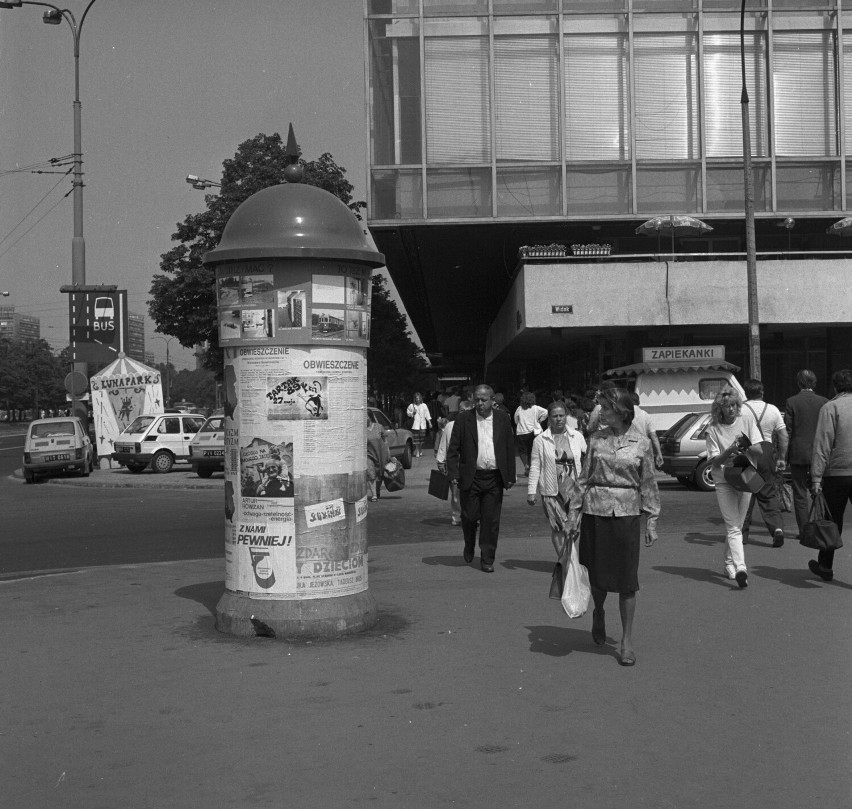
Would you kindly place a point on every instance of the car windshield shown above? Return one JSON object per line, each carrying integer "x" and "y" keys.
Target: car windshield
{"x": 52, "y": 428}
{"x": 213, "y": 425}
{"x": 680, "y": 426}
{"x": 139, "y": 424}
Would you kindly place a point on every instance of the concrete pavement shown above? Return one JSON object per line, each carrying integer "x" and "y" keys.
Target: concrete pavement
{"x": 474, "y": 690}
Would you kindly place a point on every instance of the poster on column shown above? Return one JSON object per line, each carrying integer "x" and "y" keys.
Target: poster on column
{"x": 294, "y": 412}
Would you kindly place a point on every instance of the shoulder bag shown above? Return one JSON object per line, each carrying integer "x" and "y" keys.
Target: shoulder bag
{"x": 820, "y": 532}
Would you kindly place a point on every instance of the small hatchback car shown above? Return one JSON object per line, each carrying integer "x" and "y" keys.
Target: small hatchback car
{"x": 160, "y": 440}
{"x": 685, "y": 452}
{"x": 207, "y": 449}
{"x": 57, "y": 445}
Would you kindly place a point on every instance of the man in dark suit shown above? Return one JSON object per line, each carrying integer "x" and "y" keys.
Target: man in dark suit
{"x": 481, "y": 457}
{"x": 800, "y": 417}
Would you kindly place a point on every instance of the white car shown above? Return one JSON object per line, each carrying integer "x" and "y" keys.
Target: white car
{"x": 207, "y": 449}
{"x": 159, "y": 440}
{"x": 57, "y": 445}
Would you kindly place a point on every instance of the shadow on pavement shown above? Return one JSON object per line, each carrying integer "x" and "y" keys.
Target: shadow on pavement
{"x": 207, "y": 593}
{"x": 795, "y": 577}
{"x": 701, "y": 574}
{"x": 703, "y": 539}
{"x": 448, "y": 561}
{"x": 525, "y": 564}
{"x": 560, "y": 641}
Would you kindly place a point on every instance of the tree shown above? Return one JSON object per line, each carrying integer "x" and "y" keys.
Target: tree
{"x": 183, "y": 300}
{"x": 30, "y": 376}
{"x": 394, "y": 362}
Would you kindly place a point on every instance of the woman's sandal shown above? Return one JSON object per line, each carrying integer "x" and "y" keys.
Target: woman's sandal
{"x": 627, "y": 658}
{"x": 599, "y": 628}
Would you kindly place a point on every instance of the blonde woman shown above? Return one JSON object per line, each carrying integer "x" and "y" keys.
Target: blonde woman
{"x": 731, "y": 431}
{"x": 421, "y": 421}
{"x": 554, "y": 467}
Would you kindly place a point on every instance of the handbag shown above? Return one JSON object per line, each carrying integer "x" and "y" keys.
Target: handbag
{"x": 560, "y": 571}
{"x": 785, "y": 494}
{"x": 439, "y": 484}
{"x": 578, "y": 591}
{"x": 820, "y": 532}
{"x": 393, "y": 475}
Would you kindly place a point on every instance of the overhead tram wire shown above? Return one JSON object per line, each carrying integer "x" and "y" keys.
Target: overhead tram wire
{"x": 34, "y": 168}
{"x": 58, "y": 202}
{"x": 46, "y": 195}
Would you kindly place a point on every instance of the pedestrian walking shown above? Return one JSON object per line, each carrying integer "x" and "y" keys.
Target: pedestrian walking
{"x": 528, "y": 418}
{"x": 731, "y": 431}
{"x": 774, "y": 431}
{"x": 642, "y": 424}
{"x": 378, "y": 455}
{"x": 831, "y": 463}
{"x": 421, "y": 422}
{"x": 557, "y": 455}
{"x": 616, "y": 486}
{"x": 800, "y": 417}
{"x": 481, "y": 457}
{"x": 441, "y": 459}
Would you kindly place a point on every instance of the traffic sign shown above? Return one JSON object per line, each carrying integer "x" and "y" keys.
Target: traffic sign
{"x": 98, "y": 321}
{"x": 76, "y": 383}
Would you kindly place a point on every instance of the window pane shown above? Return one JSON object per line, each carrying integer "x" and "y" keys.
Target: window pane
{"x": 395, "y": 91}
{"x": 805, "y": 103}
{"x": 665, "y": 5}
{"x": 393, "y": 7}
{"x": 458, "y": 113}
{"x": 596, "y": 97}
{"x": 397, "y": 195}
{"x": 726, "y": 192}
{"x": 529, "y": 191}
{"x": 668, "y": 190}
{"x": 594, "y": 5}
{"x": 599, "y": 191}
{"x": 666, "y": 96}
{"x": 432, "y": 8}
{"x": 808, "y": 186}
{"x": 847, "y": 90}
{"x": 723, "y": 124}
{"x": 523, "y": 6}
{"x": 458, "y": 192}
{"x": 525, "y": 76}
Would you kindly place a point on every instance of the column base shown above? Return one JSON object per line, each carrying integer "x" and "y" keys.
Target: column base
{"x": 325, "y": 618}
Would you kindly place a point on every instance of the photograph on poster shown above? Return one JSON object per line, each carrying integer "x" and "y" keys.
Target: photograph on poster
{"x": 357, "y": 325}
{"x": 229, "y": 324}
{"x": 257, "y": 323}
{"x": 329, "y": 289}
{"x": 266, "y": 469}
{"x": 296, "y": 398}
{"x": 292, "y": 307}
{"x": 327, "y": 324}
{"x": 229, "y": 290}
{"x": 230, "y": 389}
{"x": 258, "y": 290}
{"x": 357, "y": 291}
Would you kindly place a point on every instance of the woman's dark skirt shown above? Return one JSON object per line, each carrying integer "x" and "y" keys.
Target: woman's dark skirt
{"x": 609, "y": 548}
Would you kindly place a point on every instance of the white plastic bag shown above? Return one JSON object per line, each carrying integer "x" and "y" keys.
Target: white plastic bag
{"x": 577, "y": 592}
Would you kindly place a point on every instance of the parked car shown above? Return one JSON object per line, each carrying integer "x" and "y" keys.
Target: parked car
{"x": 160, "y": 440}
{"x": 685, "y": 452}
{"x": 57, "y": 445}
{"x": 400, "y": 441}
{"x": 207, "y": 448}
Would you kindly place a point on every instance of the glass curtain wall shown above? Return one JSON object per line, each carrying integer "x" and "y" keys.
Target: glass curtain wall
{"x": 589, "y": 108}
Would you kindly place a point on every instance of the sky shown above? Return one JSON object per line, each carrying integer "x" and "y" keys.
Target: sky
{"x": 168, "y": 89}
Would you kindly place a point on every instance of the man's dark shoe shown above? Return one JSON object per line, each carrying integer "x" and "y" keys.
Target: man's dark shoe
{"x": 825, "y": 575}
{"x": 742, "y": 578}
{"x": 778, "y": 538}
{"x": 487, "y": 567}
{"x": 468, "y": 556}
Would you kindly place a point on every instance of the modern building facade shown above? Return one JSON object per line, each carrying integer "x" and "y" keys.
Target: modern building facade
{"x": 496, "y": 125}
{"x": 17, "y": 326}
{"x": 136, "y": 336}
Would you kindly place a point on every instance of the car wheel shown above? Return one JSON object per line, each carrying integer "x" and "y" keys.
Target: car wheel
{"x": 136, "y": 468}
{"x": 703, "y": 478}
{"x": 204, "y": 472}
{"x": 407, "y": 455}
{"x": 162, "y": 462}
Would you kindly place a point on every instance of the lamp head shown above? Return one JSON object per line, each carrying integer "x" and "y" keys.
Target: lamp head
{"x": 52, "y": 17}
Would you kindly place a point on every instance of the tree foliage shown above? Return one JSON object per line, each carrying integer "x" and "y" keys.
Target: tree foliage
{"x": 31, "y": 377}
{"x": 183, "y": 297}
{"x": 394, "y": 361}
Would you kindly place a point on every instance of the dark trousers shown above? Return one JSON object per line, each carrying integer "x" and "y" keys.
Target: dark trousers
{"x": 838, "y": 492}
{"x": 800, "y": 478}
{"x": 770, "y": 507}
{"x": 480, "y": 506}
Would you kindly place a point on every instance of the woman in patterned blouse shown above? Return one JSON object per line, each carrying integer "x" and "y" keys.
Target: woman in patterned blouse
{"x": 616, "y": 485}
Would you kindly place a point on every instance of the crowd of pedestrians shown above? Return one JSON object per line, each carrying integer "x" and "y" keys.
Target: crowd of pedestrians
{"x": 590, "y": 459}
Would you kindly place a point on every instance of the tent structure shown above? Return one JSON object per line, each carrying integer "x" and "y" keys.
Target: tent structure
{"x": 122, "y": 391}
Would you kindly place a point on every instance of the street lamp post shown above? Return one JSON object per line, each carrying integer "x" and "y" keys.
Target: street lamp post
{"x": 167, "y": 388}
{"x": 200, "y": 183}
{"x": 751, "y": 249}
{"x": 55, "y": 16}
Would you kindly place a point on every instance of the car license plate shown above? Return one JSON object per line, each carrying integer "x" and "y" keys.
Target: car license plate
{"x": 62, "y": 457}
{"x": 214, "y": 453}
{"x": 123, "y": 448}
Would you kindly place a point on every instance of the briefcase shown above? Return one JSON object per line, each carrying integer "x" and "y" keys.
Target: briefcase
{"x": 439, "y": 485}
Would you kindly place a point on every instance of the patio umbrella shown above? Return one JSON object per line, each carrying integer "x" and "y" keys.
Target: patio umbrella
{"x": 841, "y": 227}
{"x": 680, "y": 225}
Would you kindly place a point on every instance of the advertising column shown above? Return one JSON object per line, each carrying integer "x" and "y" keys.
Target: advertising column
{"x": 295, "y": 335}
